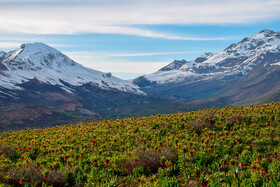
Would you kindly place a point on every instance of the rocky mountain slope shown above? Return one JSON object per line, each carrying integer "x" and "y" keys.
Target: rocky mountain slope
{"x": 243, "y": 71}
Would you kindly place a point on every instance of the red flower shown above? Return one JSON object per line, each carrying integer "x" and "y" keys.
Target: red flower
{"x": 68, "y": 165}
{"x": 21, "y": 181}
{"x": 237, "y": 140}
{"x": 107, "y": 162}
{"x": 235, "y": 176}
{"x": 262, "y": 171}
{"x": 241, "y": 165}
{"x": 197, "y": 175}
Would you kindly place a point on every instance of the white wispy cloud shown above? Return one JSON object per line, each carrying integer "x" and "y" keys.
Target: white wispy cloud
{"x": 150, "y": 54}
{"x": 118, "y": 17}
{"x": 6, "y": 45}
{"x": 101, "y": 62}
{"x": 129, "y": 67}
{"x": 59, "y": 27}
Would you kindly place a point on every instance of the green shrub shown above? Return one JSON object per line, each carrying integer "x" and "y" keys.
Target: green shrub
{"x": 69, "y": 178}
{"x": 274, "y": 168}
{"x": 170, "y": 182}
{"x": 257, "y": 179}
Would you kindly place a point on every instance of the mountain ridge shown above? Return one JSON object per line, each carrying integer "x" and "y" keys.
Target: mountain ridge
{"x": 235, "y": 60}
{"x": 212, "y": 75}
{"x": 48, "y": 65}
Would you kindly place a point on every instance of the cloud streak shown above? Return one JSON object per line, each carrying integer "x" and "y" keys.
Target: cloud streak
{"x": 120, "y": 17}
{"x": 6, "y": 45}
{"x": 151, "y": 54}
{"x": 101, "y": 62}
{"x": 48, "y": 27}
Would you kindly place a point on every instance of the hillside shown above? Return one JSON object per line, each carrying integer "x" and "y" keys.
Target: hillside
{"x": 236, "y": 146}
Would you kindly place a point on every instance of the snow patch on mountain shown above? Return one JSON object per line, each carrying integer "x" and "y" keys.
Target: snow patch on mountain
{"x": 276, "y": 64}
{"x": 47, "y": 65}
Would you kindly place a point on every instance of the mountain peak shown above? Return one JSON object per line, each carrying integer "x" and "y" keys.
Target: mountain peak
{"x": 203, "y": 57}
{"x": 266, "y": 31}
{"x": 37, "y": 46}
{"x": 264, "y": 34}
{"x": 175, "y": 65}
{"x": 36, "y": 55}
{"x": 47, "y": 65}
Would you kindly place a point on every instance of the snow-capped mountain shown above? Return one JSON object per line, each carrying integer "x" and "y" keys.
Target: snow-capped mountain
{"x": 40, "y": 86}
{"x": 191, "y": 79}
{"x": 236, "y": 60}
{"x": 47, "y": 65}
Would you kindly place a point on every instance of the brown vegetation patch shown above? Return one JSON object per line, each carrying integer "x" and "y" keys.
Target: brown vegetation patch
{"x": 149, "y": 159}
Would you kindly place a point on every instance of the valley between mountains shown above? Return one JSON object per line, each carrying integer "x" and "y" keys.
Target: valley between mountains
{"x": 40, "y": 86}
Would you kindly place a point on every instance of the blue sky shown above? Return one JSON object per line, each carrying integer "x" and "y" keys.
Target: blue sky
{"x": 134, "y": 37}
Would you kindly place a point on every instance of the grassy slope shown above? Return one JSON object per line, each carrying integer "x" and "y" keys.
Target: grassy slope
{"x": 219, "y": 146}
{"x": 273, "y": 97}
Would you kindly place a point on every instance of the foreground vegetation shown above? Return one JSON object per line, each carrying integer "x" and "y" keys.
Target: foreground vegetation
{"x": 231, "y": 146}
